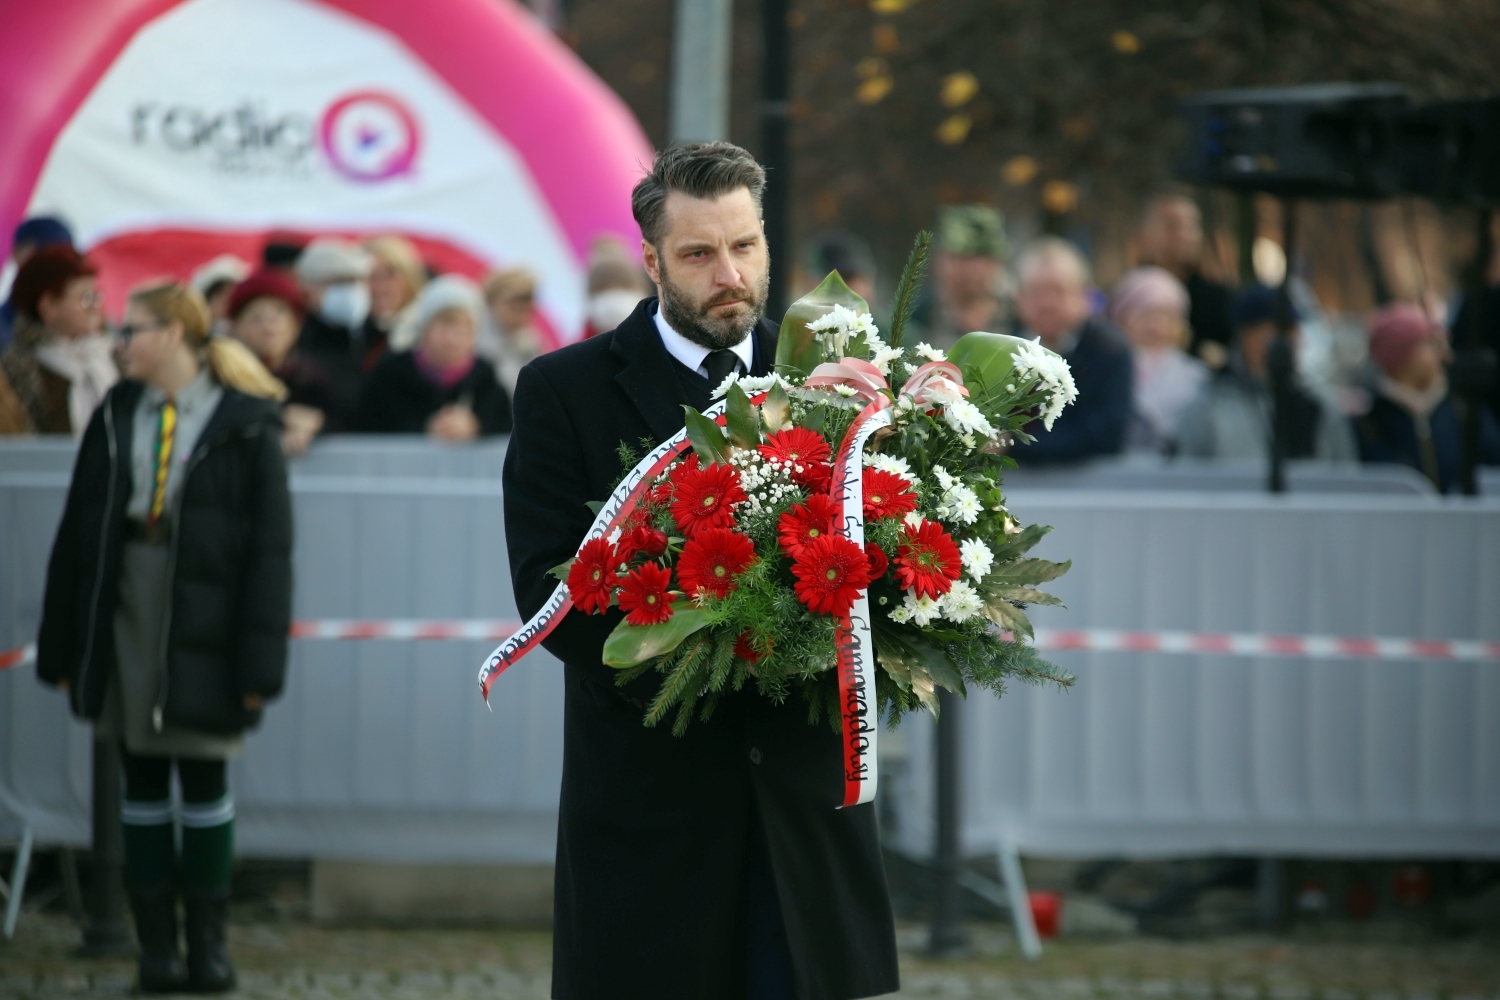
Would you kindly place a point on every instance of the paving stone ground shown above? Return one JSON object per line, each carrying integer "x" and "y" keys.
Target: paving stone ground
{"x": 294, "y": 960}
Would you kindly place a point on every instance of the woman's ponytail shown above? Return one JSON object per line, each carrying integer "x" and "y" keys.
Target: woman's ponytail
{"x": 231, "y": 362}
{"x": 236, "y": 366}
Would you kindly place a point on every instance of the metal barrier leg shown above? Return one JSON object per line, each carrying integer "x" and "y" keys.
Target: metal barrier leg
{"x": 17, "y": 888}
{"x": 1020, "y": 906}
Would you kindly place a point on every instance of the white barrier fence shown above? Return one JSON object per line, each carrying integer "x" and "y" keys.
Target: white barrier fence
{"x": 383, "y": 750}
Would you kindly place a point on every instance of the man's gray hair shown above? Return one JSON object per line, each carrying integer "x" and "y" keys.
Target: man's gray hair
{"x": 699, "y": 170}
{"x": 1051, "y": 250}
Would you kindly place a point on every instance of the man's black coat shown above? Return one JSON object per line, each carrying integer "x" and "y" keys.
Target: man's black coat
{"x": 652, "y": 828}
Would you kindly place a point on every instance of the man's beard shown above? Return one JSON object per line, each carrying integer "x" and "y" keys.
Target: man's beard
{"x": 695, "y": 322}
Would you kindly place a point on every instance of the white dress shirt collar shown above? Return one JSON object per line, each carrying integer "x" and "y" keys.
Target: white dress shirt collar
{"x": 691, "y": 355}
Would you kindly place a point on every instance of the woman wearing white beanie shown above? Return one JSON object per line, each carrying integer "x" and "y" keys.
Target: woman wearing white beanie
{"x": 440, "y": 387}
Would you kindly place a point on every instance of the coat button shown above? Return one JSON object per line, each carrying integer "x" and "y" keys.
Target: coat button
{"x": 755, "y": 755}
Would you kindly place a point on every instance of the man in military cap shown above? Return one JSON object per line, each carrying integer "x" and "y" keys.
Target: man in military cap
{"x": 968, "y": 277}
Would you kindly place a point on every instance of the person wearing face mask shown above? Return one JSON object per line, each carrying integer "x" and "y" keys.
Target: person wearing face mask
{"x": 440, "y": 387}
{"x": 616, "y": 285}
{"x": 334, "y": 275}
{"x": 59, "y": 366}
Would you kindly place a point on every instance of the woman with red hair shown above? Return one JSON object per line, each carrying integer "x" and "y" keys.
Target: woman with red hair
{"x": 59, "y": 366}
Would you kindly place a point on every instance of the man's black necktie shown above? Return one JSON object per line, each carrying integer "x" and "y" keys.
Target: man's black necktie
{"x": 719, "y": 364}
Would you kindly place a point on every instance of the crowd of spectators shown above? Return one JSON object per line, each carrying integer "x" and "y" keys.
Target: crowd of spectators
{"x": 362, "y": 337}
{"x": 1173, "y": 362}
{"x": 365, "y": 338}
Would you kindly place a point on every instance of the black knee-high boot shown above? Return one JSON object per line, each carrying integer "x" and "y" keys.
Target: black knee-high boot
{"x": 149, "y": 862}
{"x": 207, "y": 858}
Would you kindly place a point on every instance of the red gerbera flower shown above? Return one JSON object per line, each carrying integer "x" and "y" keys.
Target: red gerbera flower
{"x": 710, "y": 560}
{"x": 878, "y": 561}
{"x": 797, "y": 445}
{"x": 644, "y": 596}
{"x": 592, "y": 576}
{"x": 745, "y": 650}
{"x": 805, "y": 522}
{"x": 928, "y": 561}
{"x": 804, "y": 448}
{"x": 704, "y": 498}
{"x": 830, "y": 572}
{"x": 886, "y": 495}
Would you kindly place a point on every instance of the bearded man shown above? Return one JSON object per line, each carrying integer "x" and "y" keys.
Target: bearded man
{"x": 716, "y": 864}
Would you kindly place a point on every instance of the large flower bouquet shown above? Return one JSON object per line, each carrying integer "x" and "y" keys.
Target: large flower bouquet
{"x": 836, "y": 529}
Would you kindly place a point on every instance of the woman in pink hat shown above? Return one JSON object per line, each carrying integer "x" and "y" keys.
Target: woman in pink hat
{"x": 1412, "y": 419}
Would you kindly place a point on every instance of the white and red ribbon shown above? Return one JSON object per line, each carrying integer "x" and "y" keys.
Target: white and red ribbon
{"x": 616, "y": 510}
{"x": 856, "y": 651}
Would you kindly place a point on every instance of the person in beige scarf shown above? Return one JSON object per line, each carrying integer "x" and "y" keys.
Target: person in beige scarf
{"x": 59, "y": 366}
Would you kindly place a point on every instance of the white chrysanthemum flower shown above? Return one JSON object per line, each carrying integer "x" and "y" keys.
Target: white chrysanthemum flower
{"x": 919, "y": 610}
{"x": 750, "y": 384}
{"x": 909, "y": 368}
{"x": 894, "y": 464}
{"x": 883, "y": 356}
{"x": 614, "y": 537}
{"x": 901, "y": 613}
{"x": 931, "y": 353}
{"x": 1034, "y": 363}
{"x": 913, "y": 519}
{"x": 944, "y": 477}
{"x": 966, "y": 418}
{"x": 961, "y": 602}
{"x": 959, "y": 504}
{"x": 976, "y": 557}
{"x": 846, "y": 390}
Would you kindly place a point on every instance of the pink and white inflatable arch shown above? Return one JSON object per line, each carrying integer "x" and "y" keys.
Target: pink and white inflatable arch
{"x": 169, "y": 131}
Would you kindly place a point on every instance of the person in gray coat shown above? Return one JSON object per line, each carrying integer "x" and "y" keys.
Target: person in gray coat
{"x": 1231, "y": 418}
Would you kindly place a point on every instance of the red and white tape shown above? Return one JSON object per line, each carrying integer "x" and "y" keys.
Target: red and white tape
{"x": 1096, "y": 640}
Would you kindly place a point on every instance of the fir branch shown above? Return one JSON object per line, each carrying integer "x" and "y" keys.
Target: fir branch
{"x": 909, "y": 286}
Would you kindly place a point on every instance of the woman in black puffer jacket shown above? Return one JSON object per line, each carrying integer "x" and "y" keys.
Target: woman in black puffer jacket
{"x": 167, "y": 607}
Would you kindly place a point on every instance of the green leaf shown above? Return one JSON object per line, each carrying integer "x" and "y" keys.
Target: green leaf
{"x": 986, "y": 358}
{"x": 1008, "y": 616}
{"x": 908, "y": 287}
{"x": 1023, "y": 571}
{"x": 630, "y": 644}
{"x": 741, "y": 418}
{"x": 1027, "y": 595}
{"x": 594, "y": 506}
{"x": 560, "y": 571}
{"x": 798, "y": 350}
{"x": 914, "y": 655}
{"x": 776, "y": 411}
{"x": 1020, "y": 544}
{"x": 707, "y": 437}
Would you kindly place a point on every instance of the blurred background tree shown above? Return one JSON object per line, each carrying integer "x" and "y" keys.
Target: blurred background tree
{"x": 1061, "y": 112}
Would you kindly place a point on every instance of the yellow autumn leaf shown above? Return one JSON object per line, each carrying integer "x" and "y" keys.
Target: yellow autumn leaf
{"x": 1018, "y": 170}
{"x": 873, "y": 90}
{"x": 1059, "y": 197}
{"x": 1125, "y": 43}
{"x": 959, "y": 88}
{"x": 954, "y": 129}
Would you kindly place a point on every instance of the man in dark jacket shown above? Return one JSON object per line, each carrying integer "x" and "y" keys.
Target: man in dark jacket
{"x": 1052, "y": 304}
{"x": 334, "y": 276}
{"x": 713, "y": 864}
{"x": 1172, "y": 237}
